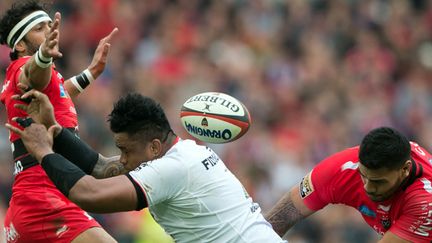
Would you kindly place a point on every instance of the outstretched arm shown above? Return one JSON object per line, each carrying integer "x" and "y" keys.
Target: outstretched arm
{"x": 288, "y": 211}
{"x": 37, "y": 70}
{"x": 78, "y": 83}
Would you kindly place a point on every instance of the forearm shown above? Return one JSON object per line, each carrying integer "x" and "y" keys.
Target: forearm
{"x": 71, "y": 181}
{"x": 75, "y": 150}
{"x": 83, "y": 156}
{"x": 284, "y": 215}
{"x": 93, "y": 195}
{"x": 34, "y": 75}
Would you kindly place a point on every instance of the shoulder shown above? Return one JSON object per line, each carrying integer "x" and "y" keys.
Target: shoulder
{"x": 421, "y": 188}
{"x": 418, "y": 195}
{"x": 341, "y": 162}
{"x": 16, "y": 64}
{"x": 187, "y": 151}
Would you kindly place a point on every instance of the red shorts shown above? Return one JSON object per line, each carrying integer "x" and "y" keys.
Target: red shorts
{"x": 38, "y": 212}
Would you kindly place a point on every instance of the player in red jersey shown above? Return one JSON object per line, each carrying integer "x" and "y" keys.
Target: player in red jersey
{"x": 38, "y": 212}
{"x": 387, "y": 179}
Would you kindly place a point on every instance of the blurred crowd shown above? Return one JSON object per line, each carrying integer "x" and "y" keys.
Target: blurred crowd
{"x": 316, "y": 76}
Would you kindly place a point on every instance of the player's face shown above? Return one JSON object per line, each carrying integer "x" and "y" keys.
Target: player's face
{"x": 34, "y": 38}
{"x": 133, "y": 150}
{"x": 382, "y": 184}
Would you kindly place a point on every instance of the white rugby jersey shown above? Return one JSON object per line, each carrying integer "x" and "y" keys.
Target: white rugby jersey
{"x": 195, "y": 198}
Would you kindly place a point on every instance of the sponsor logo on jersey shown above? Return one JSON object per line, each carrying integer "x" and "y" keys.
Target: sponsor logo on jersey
{"x": 18, "y": 167}
{"x": 5, "y": 86}
{"x": 254, "y": 207}
{"x": 363, "y": 209}
{"x": 350, "y": 165}
{"x": 10, "y": 233}
{"x": 426, "y": 226}
{"x": 210, "y": 161}
{"x": 62, "y": 91}
{"x": 142, "y": 165}
{"x": 224, "y": 134}
{"x": 62, "y": 230}
{"x": 386, "y": 223}
{"x": 427, "y": 185}
{"x": 384, "y": 208}
{"x": 306, "y": 186}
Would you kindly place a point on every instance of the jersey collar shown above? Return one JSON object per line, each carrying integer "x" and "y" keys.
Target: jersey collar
{"x": 416, "y": 172}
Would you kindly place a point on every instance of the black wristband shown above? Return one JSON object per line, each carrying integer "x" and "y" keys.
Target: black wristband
{"x": 75, "y": 150}
{"x": 62, "y": 172}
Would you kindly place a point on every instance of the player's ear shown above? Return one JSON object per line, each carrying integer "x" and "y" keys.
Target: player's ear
{"x": 20, "y": 46}
{"x": 156, "y": 147}
{"x": 407, "y": 168}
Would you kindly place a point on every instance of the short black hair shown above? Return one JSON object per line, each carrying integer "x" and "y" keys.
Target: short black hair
{"x": 138, "y": 114}
{"x": 15, "y": 14}
{"x": 384, "y": 147}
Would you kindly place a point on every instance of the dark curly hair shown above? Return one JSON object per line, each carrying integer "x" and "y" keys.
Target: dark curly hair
{"x": 384, "y": 147}
{"x": 15, "y": 14}
{"x": 136, "y": 114}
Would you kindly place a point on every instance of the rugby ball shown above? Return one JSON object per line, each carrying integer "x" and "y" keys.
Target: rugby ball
{"x": 215, "y": 117}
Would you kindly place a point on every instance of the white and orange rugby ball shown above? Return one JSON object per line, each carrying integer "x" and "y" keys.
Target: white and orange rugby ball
{"x": 215, "y": 117}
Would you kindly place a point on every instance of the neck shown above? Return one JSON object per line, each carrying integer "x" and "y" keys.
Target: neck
{"x": 169, "y": 142}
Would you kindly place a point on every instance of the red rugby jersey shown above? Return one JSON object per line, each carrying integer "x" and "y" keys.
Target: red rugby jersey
{"x": 64, "y": 108}
{"x": 408, "y": 213}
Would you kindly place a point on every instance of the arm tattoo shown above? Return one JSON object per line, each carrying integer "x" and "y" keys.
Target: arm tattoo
{"x": 108, "y": 167}
{"x": 284, "y": 215}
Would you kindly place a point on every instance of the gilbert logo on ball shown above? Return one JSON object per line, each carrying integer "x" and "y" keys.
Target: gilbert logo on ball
{"x": 215, "y": 117}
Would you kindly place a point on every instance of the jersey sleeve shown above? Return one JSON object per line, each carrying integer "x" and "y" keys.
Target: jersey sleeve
{"x": 415, "y": 222}
{"x": 161, "y": 179}
{"x": 320, "y": 187}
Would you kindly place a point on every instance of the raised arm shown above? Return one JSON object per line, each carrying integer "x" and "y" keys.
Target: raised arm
{"x": 78, "y": 83}
{"x": 289, "y": 210}
{"x": 37, "y": 70}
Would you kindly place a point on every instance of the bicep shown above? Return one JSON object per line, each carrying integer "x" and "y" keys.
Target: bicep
{"x": 109, "y": 195}
{"x": 288, "y": 211}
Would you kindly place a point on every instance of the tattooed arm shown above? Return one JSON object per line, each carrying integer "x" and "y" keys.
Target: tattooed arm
{"x": 288, "y": 211}
{"x": 108, "y": 167}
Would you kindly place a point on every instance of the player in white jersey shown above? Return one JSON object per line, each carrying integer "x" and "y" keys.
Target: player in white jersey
{"x": 187, "y": 187}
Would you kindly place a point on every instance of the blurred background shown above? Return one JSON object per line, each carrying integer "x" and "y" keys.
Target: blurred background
{"x": 315, "y": 75}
